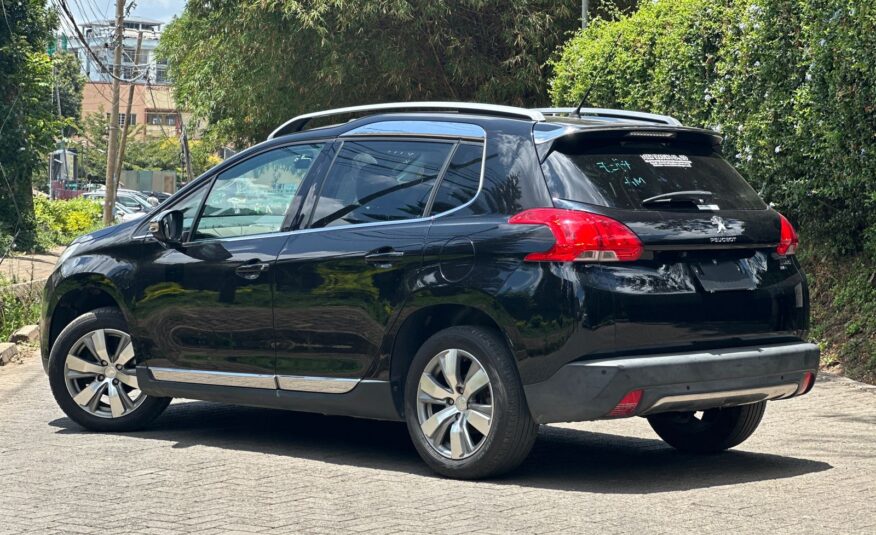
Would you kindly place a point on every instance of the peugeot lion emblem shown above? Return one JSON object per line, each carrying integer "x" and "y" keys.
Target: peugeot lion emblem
{"x": 722, "y": 227}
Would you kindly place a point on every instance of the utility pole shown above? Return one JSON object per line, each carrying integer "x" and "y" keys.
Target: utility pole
{"x": 585, "y": 7}
{"x": 187, "y": 155}
{"x": 124, "y": 140}
{"x": 109, "y": 200}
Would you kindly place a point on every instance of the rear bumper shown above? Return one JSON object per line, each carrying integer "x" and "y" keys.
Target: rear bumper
{"x": 589, "y": 390}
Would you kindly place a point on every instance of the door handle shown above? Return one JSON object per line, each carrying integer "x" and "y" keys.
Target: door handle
{"x": 252, "y": 271}
{"x": 383, "y": 258}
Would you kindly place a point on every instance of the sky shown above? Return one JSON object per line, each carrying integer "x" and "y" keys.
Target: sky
{"x": 163, "y": 10}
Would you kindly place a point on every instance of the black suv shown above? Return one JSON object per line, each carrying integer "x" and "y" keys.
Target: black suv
{"x": 472, "y": 270}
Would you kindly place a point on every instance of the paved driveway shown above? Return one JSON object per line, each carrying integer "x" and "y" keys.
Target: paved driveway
{"x": 208, "y": 468}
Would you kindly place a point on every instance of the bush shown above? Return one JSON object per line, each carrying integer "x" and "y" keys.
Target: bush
{"x": 59, "y": 222}
{"x": 790, "y": 83}
{"x": 17, "y": 309}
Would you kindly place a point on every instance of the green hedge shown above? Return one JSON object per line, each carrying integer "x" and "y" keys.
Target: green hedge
{"x": 59, "y": 222}
{"x": 790, "y": 83}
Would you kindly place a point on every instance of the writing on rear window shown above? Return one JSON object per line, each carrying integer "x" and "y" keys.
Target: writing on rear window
{"x": 614, "y": 165}
{"x": 667, "y": 160}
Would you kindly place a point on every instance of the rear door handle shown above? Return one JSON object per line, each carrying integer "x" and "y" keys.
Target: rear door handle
{"x": 383, "y": 258}
{"x": 252, "y": 271}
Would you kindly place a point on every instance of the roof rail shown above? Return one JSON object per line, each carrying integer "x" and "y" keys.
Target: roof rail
{"x": 298, "y": 123}
{"x": 638, "y": 116}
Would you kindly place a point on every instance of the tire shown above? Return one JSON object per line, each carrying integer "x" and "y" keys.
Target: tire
{"x": 115, "y": 405}
{"x": 717, "y": 430}
{"x": 470, "y": 447}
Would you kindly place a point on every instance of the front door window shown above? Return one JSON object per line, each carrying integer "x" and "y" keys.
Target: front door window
{"x": 254, "y": 196}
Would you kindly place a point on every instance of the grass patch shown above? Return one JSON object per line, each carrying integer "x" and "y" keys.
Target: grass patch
{"x": 843, "y": 299}
{"x": 17, "y": 308}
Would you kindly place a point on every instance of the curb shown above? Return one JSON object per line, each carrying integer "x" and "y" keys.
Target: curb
{"x": 23, "y": 288}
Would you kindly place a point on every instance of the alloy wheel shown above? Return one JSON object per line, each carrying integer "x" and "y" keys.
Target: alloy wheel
{"x": 100, "y": 374}
{"x": 455, "y": 404}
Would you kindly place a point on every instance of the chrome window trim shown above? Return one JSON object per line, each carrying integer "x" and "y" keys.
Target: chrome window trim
{"x": 429, "y": 218}
{"x": 436, "y": 129}
{"x": 296, "y": 124}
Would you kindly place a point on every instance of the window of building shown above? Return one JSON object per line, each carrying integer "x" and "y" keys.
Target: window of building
{"x": 122, "y": 119}
{"x": 157, "y": 118}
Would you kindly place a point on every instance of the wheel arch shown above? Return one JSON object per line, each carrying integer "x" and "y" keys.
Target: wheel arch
{"x": 72, "y": 298}
{"x": 420, "y": 323}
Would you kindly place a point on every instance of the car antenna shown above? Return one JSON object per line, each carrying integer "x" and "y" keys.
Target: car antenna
{"x": 608, "y": 58}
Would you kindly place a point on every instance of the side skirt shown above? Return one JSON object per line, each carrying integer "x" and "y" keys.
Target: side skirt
{"x": 369, "y": 399}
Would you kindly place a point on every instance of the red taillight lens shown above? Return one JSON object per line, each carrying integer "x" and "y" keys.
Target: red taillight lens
{"x": 581, "y": 236}
{"x": 789, "y": 241}
{"x": 805, "y": 384}
{"x": 627, "y": 405}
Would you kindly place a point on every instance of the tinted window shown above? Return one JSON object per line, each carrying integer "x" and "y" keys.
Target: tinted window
{"x": 462, "y": 179}
{"x": 379, "y": 181}
{"x": 623, "y": 176}
{"x": 253, "y": 196}
{"x": 189, "y": 208}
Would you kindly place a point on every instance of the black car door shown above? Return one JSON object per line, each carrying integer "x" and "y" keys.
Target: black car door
{"x": 342, "y": 278}
{"x": 204, "y": 309}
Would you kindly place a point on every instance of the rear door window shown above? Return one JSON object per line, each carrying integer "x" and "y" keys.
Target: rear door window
{"x": 462, "y": 179}
{"x": 374, "y": 181}
{"x": 622, "y": 175}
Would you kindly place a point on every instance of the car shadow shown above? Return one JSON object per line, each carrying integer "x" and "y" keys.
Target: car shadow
{"x": 564, "y": 459}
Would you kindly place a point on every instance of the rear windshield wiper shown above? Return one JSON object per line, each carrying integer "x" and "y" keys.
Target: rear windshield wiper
{"x": 693, "y": 196}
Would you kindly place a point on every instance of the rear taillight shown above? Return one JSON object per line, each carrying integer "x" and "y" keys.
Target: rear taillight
{"x": 581, "y": 236}
{"x": 789, "y": 241}
{"x": 805, "y": 384}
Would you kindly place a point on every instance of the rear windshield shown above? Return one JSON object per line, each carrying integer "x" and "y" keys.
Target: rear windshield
{"x": 622, "y": 175}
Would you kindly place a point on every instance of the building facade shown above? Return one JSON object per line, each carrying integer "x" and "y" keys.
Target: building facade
{"x": 99, "y": 37}
{"x": 154, "y": 113}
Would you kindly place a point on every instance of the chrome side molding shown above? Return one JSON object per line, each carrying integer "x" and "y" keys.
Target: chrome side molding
{"x": 296, "y": 383}
{"x": 205, "y": 377}
{"x": 326, "y": 385}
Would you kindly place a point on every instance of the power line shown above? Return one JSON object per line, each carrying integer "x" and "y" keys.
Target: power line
{"x": 63, "y": 5}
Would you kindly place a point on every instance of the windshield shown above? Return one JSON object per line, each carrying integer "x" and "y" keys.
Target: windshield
{"x": 622, "y": 175}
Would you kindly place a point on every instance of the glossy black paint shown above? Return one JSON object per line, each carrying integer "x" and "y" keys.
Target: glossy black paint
{"x": 322, "y": 309}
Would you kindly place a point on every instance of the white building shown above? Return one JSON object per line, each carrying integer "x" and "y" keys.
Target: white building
{"x": 99, "y": 35}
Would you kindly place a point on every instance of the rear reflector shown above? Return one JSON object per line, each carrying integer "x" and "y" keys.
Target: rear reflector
{"x": 581, "y": 236}
{"x": 806, "y": 383}
{"x": 627, "y": 405}
{"x": 789, "y": 241}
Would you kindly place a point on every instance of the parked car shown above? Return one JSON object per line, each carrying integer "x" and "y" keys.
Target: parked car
{"x": 124, "y": 214}
{"x": 160, "y": 196}
{"x": 472, "y": 270}
{"x": 129, "y": 199}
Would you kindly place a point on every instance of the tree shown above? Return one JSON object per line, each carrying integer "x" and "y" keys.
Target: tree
{"x": 162, "y": 154}
{"x": 69, "y": 81}
{"x": 247, "y": 66}
{"x": 28, "y": 123}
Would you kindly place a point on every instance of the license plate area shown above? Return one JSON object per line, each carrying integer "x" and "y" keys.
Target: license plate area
{"x": 723, "y": 275}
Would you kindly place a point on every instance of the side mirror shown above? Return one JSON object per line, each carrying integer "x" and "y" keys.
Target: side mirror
{"x": 167, "y": 228}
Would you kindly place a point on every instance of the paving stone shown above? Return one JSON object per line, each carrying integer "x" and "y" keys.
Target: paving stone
{"x": 214, "y": 468}
{"x": 7, "y": 351}
{"x": 26, "y": 335}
